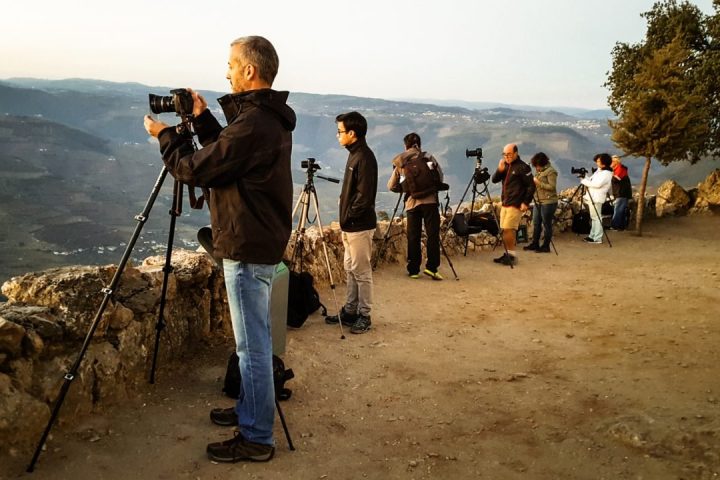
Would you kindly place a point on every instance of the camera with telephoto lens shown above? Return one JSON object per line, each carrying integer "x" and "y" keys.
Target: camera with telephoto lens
{"x": 581, "y": 172}
{"x": 477, "y": 153}
{"x": 310, "y": 165}
{"x": 180, "y": 102}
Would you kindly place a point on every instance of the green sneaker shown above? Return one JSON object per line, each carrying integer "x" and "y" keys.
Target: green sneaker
{"x": 433, "y": 275}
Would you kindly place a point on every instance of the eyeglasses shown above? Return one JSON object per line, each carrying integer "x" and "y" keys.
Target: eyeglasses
{"x": 507, "y": 155}
{"x": 340, "y": 132}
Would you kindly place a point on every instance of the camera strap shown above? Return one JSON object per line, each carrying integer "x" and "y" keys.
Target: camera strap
{"x": 197, "y": 203}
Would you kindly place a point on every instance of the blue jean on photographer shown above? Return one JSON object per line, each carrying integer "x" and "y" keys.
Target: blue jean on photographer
{"x": 543, "y": 214}
{"x": 619, "y": 218}
{"x": 248, "y": 290}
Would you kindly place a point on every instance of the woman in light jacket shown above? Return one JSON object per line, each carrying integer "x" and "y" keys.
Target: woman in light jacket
{"x": 598, "y": 184}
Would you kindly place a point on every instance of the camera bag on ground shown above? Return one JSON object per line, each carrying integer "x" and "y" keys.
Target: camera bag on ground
{"x": 420, "y": 179}
{"x": 581, "y": 222}
{"x": 231, "y": 386}
{"x": 303, "y": 299}
{"x": 479, "y": 222}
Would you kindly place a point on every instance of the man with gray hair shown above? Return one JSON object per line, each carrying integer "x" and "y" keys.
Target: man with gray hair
{"x": 246, "y": 166}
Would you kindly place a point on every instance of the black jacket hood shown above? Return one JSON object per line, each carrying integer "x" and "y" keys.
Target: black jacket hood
{"x": 266, "y": 98}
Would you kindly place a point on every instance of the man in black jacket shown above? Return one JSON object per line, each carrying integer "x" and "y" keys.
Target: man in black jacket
{"x": 246, "y": 166}
{"x": 517, "y": 193}
{"x": 357, "y": 221}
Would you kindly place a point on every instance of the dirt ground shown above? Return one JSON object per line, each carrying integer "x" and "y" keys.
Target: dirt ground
{"x": 597, "y": 363}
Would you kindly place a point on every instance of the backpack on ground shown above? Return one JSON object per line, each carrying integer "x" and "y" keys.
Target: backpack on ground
{"x": 581, "y": 222}
{"x": 231, "y": 385}
{"x": 420, "y": 180}
{"x": 303, "y": 299}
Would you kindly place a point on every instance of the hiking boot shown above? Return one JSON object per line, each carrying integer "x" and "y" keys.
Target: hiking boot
{"x": 348, "y": 319}
{"x": 362, "y": 325}
{"x": 239, "y": 449}
{"x": 532, "y": 246}
{"x": 543, "y": 249}
{"x": 225, "y": 417}
{"x": 506, "y": 259}
{"x": 433, "y": 275}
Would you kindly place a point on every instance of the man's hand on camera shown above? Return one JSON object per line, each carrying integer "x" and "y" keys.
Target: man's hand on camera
{"x": 153, "y": 126}
{"x": 199, "y": 103}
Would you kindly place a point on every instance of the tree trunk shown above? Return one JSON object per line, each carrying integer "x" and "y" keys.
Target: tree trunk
{"x": 641, "y": 200}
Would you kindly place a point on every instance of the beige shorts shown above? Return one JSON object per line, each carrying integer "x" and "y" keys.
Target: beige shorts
{"x": 510, "y": 218}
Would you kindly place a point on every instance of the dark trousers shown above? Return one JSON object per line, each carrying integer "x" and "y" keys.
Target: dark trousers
{"x": 543, "y": 214}
{"x": 429, "y": 215}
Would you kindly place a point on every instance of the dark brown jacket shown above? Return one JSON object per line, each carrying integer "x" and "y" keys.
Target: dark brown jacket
{"x": 357, "y": 197}
{"x": 518, "y": 186}
{"x": 246, "y": 165}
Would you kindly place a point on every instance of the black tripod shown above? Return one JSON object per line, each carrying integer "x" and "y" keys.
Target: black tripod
{"x": 307, "y": 196}
{"x": 581, "y": 190}
{"x": 184, "y": 130}
{"x": 387, "y": 234}
{"x": 480, "y": 176}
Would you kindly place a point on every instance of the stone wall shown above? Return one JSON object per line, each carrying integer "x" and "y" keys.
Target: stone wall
{"x": 44, "y": 323}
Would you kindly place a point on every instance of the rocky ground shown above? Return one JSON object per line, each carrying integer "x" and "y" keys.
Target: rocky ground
{"x": 597, "y": 363}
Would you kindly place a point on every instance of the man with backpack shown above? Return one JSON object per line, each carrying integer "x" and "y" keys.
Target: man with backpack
{"x": 418, "y": 175}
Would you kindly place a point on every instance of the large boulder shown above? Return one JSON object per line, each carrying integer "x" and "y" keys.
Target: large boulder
{"x": 708, "y": 194}
{"x": 671, "y": 199}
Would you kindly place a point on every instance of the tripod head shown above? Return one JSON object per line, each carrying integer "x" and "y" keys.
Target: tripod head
{"x": 310, "y": 165}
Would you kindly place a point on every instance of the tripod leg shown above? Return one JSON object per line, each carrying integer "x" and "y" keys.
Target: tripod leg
{"x": 387, "y": 234}
{"x": 175, "y": 212}
{"x": 284, "y": 425}
{"x": 299, "y": 234}
{"x": 327, "y": 259}
{"x": 108, "y": 291}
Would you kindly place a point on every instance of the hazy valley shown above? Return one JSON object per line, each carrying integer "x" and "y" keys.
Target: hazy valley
{"x": 76, "y": 165}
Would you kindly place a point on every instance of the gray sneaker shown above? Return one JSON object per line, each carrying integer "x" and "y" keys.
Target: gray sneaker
{"x": 362, "y": 325}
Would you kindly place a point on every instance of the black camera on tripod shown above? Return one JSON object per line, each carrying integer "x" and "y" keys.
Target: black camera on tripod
{"x": 180, "y": 102}
{"x": 581, "y": 172}
{"x": 310, "y": 165}
{"x": 481, "y": 174}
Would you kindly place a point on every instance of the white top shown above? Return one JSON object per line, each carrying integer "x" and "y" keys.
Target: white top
{"x": 598, "y": 184}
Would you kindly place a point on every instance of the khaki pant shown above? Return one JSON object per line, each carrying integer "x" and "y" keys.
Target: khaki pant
{"x": 358, "y": 250}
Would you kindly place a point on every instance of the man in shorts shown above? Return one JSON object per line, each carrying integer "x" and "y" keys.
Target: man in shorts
{"x": 518, "y": 189}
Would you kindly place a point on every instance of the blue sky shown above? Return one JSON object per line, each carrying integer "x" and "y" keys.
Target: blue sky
{"x": 532, "y": 52}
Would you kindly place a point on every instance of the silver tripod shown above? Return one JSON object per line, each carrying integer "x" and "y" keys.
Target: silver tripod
{"x": 308, "y": 196}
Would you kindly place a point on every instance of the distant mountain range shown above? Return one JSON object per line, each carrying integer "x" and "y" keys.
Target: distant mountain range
{"x": 76, "y": 164}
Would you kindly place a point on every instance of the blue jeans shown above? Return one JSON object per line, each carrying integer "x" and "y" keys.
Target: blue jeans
{"x": 545, "y": 214}
{"x": 619, "y": 217}
{"x": 596, "y": 230}
{"x": 248, "y": 290}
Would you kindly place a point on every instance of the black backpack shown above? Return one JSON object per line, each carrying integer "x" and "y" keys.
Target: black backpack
{"x": 581, "y": 222}
{"x": 303, "y": 299}
{"x": 231, "y": 386}
{"x": 420, "y": 179}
